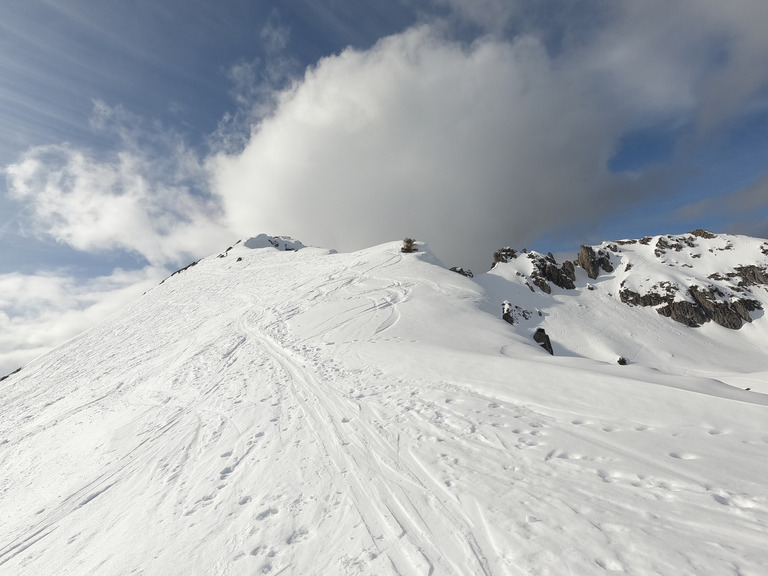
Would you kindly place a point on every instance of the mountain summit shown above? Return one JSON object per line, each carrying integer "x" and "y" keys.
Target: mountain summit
{"x": 284, "y": 409}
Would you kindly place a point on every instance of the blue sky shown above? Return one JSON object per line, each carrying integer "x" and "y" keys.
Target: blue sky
{"x": 138, "y": 136}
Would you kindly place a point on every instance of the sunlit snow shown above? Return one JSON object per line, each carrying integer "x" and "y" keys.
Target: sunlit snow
{"x": 273, "y": 411}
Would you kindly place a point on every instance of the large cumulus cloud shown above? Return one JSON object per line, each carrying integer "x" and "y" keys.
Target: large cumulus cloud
{"x": 467, "y": 146}
{"x": 471, "y": 146}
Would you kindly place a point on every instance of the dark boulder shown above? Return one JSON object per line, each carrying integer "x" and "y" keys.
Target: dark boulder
{"x": 506, "y": 312}
{"x": 541, "y": 337}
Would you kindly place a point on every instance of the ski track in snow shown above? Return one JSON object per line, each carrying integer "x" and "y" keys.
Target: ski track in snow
{"x": 326, "y": 414}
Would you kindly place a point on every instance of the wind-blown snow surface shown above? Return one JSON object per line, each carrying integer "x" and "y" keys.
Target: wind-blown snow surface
{"x": 305, "y": 412}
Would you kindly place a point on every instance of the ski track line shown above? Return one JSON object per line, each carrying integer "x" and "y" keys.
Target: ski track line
{"x": 382, "y": 511}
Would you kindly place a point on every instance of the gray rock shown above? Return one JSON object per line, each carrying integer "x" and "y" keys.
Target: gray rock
{"x": 701, "y": 233}
{"x": 703, "y": 305}
{"x": 541, "y": 337}
{"x": 752, "y": 275}
{"x": 467, "y": 273}
{"x": 593, "y": 262}
{"x": 545, "y": 270}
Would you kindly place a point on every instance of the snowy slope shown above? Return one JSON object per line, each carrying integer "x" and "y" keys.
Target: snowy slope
{"x": 591, "y": 320}
{"x": 304, "y": 412}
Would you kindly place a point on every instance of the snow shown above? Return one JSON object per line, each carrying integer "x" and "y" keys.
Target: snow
{"x": 273, "y": 411}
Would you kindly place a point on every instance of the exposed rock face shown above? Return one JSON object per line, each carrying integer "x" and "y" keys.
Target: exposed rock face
{"x": 685, "y": 312}
{"x": 541, "y": 337}
{"x": 664, "y": 244}
{"x": 663, "y": 293}
{"x": 701, "y": 233}
{"x": 503, "y": 255}
{"x": 706, "y": 304}
{"x": 546, "y": 270}
{"x": 701, "y": 286}
{"x": 592, "y": 262}
{"x": 467, "y": 273}
{"x": 752, "y": 275}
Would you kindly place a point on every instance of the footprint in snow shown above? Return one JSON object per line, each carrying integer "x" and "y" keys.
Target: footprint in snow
{"x": 683, "y": 456}
{"x": 266, "y": 514}
{"x": 297, "y": 536}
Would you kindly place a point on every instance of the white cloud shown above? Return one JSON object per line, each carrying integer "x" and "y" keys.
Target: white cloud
{"x": 702, "y": 58}
{"x": 40, "y": 311}
{"x": 467, "y": 147}
{"x": 501, "y": 141}
{"x": 145, "y": 198}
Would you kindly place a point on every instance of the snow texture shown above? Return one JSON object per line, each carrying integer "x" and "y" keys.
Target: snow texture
{"x": 273, "y": 411}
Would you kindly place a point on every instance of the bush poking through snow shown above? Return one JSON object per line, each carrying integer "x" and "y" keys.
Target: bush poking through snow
{"x": 408, "y": 246}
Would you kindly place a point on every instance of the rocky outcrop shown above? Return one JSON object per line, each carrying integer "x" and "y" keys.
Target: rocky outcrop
{"x": 701, "y": 233}
{"x": 546, "y": 270}
{"x": 663, "y": 293}
{"x": 669, "y": 243}
{"x": 684, "y": 312}
{"x": 467, "y": 273}
{"x": 506, "y": 312}
{"x": 752, "y": 275}
{"x": 593, "y": 262}
{"x": 541, "y": 337}
{"x": 503, "y": 255}
{"x": 705, "y": 304}
{"x": 699, "y": 295}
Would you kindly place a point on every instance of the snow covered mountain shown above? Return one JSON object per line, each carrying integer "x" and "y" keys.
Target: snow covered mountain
{"x": 616, "y": 300}
{"x": 281, "y": 409}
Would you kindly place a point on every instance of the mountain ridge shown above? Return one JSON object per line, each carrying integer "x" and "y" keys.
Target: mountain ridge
{"x": 308, "y": 412}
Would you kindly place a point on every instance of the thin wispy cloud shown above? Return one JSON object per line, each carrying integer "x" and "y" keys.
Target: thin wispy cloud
{"x": 144, "y": 199}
